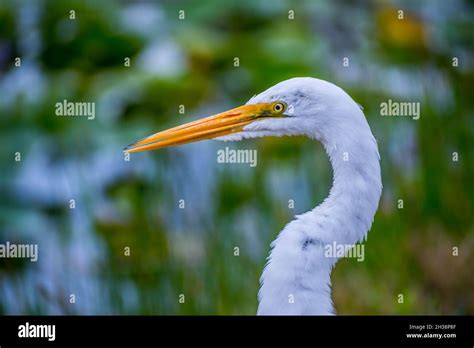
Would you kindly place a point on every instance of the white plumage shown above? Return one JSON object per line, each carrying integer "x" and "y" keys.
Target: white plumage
{"x": 297, "y": 277}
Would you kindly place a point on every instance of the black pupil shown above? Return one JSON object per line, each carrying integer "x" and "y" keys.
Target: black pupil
{"x": 278, "y": 107}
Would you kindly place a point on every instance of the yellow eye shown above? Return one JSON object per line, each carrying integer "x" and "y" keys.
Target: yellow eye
{"x": 279, "y": 107}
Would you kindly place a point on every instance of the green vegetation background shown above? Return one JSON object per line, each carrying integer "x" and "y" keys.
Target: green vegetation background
{"x": 190, "y": 62}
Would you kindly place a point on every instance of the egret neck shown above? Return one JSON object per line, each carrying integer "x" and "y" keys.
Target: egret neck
{"x": 297, "y": 277}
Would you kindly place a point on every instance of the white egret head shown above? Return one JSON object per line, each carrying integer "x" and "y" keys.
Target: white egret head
{"x": 308, "y": 106}
{"x": 298, "y": 106}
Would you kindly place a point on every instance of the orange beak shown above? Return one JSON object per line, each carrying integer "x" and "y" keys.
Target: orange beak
{"x": 228, "y": 122}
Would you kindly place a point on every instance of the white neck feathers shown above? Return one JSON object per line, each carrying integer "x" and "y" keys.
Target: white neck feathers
{"x": 296, "y": 279}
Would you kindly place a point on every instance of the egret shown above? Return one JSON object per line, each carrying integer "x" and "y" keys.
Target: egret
{"x": 297, "y": 277}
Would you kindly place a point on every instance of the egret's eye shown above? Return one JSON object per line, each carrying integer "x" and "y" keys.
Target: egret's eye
{"x": 279, "y": 107}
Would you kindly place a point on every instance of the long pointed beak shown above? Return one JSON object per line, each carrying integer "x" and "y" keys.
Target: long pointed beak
{"x": 228, "y": 122}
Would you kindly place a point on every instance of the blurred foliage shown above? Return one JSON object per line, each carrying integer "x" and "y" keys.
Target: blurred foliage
{"x": 136, "y": 204}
